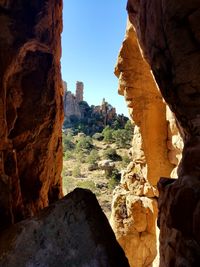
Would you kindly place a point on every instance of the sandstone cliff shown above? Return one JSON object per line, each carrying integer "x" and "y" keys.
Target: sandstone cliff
{"x": 168, "y": 33}
{"x": 30, "y": 107}
{"x": 156, "y": 151}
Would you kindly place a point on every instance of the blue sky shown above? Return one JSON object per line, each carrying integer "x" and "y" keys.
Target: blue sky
{"x": 92, "y": 35}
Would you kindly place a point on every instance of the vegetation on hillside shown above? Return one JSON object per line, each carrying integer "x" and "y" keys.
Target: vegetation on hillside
{"x": 82, "y": 155}
{"x": 94, "y": 121}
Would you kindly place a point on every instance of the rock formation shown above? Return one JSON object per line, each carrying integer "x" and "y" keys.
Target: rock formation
{"x": 153, "y": 152}
{"x": 30, "y": 107}
{"x": 168, "y": 33}
{"x": 80, "y": 117}
{"x": 71, "y": 106}
{"x": 79, "y": 91}
{"x": 71, "y": 101}
{"x": 72, "y": 232}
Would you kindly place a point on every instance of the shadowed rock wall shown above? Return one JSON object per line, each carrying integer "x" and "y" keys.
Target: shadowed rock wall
{"x": 30, "y": 107}
{"x": 71, "y": 232}
{"x": 168, "y": 32}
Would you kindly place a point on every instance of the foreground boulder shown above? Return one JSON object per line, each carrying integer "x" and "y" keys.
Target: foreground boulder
{"x": 73, "y": 232}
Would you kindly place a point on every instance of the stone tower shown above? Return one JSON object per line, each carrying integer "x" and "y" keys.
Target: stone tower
{"x": 79, "y": 91}
{"x": 64, "y": 86}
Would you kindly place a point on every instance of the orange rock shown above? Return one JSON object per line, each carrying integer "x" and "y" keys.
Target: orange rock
{"x": 30, "y": 107}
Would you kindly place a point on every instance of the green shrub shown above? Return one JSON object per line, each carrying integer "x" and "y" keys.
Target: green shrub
{"x": 68, "y": 155}
{"x": 108, "y": 134}
{"x": 114, "y": 179}
{"x": 84, "y": 143}
{"x": 80, "y": 156}
{"x": 76, "y": 172}
{"x": 125, "y": 161}
{"x": 111, "y": 154}
{"x": 68, "y": 142}
{"x": 93, "y": 157}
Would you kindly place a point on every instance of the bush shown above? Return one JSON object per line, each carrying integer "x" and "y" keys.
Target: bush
{"x": 93, "y": 157}
{"x": 80, "y": 156}
{"x": 84, "y": 143}
{"x": 111, "y": 154}
{"x": 76, "y": 172}
{"x": 125, "y": 161}
{"x": 68, "y": 142}
{"x": 108, "y": 134}
{"x": 122, "y": 138}
{"x": 68, "y": 155}
{"x": 114, "y": 179}
{"x": 129, "y": 126}
{"x": 98, "y": 136}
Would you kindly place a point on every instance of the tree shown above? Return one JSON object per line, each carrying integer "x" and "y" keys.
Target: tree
{"x": 84, "y": 143}
{"x": 108, "y": 134}
{"x": 93, "y": 157}
{"x": 129, "y": 126}
{"x": 68, "y": 142}
{"x": 124, "y": 136}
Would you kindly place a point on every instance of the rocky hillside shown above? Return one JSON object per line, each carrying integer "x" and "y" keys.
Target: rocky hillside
{"x": 96, "y": 162}
{"x": 82, "y": 117}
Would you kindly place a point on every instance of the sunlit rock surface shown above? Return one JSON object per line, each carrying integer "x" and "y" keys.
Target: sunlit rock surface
{"x": 134, "y": 208}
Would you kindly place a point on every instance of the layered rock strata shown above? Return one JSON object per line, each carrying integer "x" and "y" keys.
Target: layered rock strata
{"x": 30, "y": 107}
{"x": 168, "y": 33}
{"x": 72, "y": 232}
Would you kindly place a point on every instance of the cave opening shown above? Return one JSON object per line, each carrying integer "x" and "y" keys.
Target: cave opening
{"x": 96, "y": 130}
{"x": 31, "y": 116}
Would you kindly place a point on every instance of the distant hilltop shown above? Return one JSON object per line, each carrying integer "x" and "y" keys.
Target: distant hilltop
{"x": 88, "y": 119}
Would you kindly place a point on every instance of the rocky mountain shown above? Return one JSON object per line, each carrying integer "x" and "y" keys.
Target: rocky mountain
{"x": 88, "y": 119}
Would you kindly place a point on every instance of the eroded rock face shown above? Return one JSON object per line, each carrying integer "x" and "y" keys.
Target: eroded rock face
{"x": 146, "y": 106}
{"x": 133, "y": 219}
{"x": 72, "y": 232}
{"x": 168, "y": 32}
{"x": 71, "y": 105}
{"x": 134, "y": 208}
{"x": 30, "y": 107}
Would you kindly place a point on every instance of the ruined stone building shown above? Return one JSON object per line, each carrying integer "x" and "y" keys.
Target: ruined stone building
{"x": 159, "y": 59}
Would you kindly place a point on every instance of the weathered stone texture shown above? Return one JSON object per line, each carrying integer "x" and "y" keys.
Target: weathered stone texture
{"x": 30, "y": 107}
{"x": 73, "y": 232}
{"x": 145, "y": 105}
{"x": 168, "y": 32}
{"x": 179, "y": 209}
{"x": 174, "y": 142}
{"x": 134, "y": 208}
{"x": 71, "y": 106}
{"x": 79, "y": 91}
{"x": 169, "y": 37}
{"x": 133, "y": 219}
